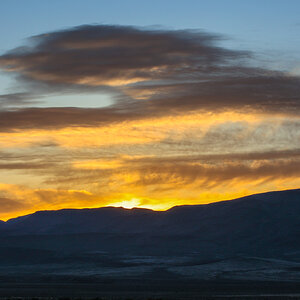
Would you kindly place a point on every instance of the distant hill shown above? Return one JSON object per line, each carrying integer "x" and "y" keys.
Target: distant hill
{"x": 263, "y": 225}
{"x": 254, "y": 238}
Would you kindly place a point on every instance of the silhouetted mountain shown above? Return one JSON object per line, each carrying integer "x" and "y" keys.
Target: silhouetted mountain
{"x": 251, "y": 238}
{"x": 265, "y": 224}
{"x": 67, "y": 221}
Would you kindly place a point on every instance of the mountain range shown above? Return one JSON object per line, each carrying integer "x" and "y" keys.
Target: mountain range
{"x": 255, "y": 238}
{"x": 262, "y": 223}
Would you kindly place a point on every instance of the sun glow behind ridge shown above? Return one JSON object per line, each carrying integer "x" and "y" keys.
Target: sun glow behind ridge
{"x": 129, "y": 204}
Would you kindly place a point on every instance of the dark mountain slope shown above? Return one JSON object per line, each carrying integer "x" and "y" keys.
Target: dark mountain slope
{"x": 260, "y": 225}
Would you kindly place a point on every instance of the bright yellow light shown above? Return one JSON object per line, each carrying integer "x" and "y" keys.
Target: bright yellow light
{"x": 134, "y": 202}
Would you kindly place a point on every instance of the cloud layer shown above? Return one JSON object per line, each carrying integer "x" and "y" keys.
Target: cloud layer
{"x": 190, "y": 121}
{"x": 171, "y": 71}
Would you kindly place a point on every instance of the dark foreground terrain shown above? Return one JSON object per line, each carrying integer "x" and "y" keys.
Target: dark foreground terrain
{"x": 147, "y": 287}
{"x": 241, "y": 249}
{"x": 151, "y": 289}
{"x": 134, "y": 277}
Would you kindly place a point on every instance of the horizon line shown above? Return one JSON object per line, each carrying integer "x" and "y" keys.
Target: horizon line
{"x": 149, "y": 209}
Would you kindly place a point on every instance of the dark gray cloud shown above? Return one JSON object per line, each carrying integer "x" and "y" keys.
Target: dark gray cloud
{"x": 29, "y": 118}
{"x": 18, "y": 99}
{"x": 272, "y": 92}
{"x": 94, "y": 55}
{"x": 148, "y": 73}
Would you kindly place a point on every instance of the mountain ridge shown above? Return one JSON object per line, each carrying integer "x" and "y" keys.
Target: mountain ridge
{"x": 260, "y": 216}
{"x": 213, "y": 240}
{"x": 244, "y": 198}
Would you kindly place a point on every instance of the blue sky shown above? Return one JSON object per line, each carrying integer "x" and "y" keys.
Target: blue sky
{"x": 269, "y": 28}
{"x": 262, "y": 24}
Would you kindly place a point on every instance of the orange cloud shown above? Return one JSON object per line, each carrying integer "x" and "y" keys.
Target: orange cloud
{"x": 149, "y": 163}
{"x": 133, "y": 132}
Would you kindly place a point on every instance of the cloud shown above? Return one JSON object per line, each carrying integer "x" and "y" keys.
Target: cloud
{"x": 174, "y": 172}
{"x": 20, "y": 200}
{"x": 17, "y": 99}
{"x": 268, "y": 92}
{"x": 188, "y": 117}
{"x": 10, "y": 205}
{"x": 116, "y": 55}
{"x": 209, "y": 175}
{"x": 23, "y": 166}
{"x": 158, "y": 181}
{"x": 147, "y": 72}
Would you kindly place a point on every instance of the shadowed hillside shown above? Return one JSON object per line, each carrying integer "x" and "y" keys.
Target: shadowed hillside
{"x": 262, "y": 225}
{"x": 255, "y": 238}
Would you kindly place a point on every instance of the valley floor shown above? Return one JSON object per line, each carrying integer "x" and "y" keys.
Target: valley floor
{"x": 137, "y": 277}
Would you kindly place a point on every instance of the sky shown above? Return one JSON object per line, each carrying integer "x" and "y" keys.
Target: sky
{"x": 146, "y": 104}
